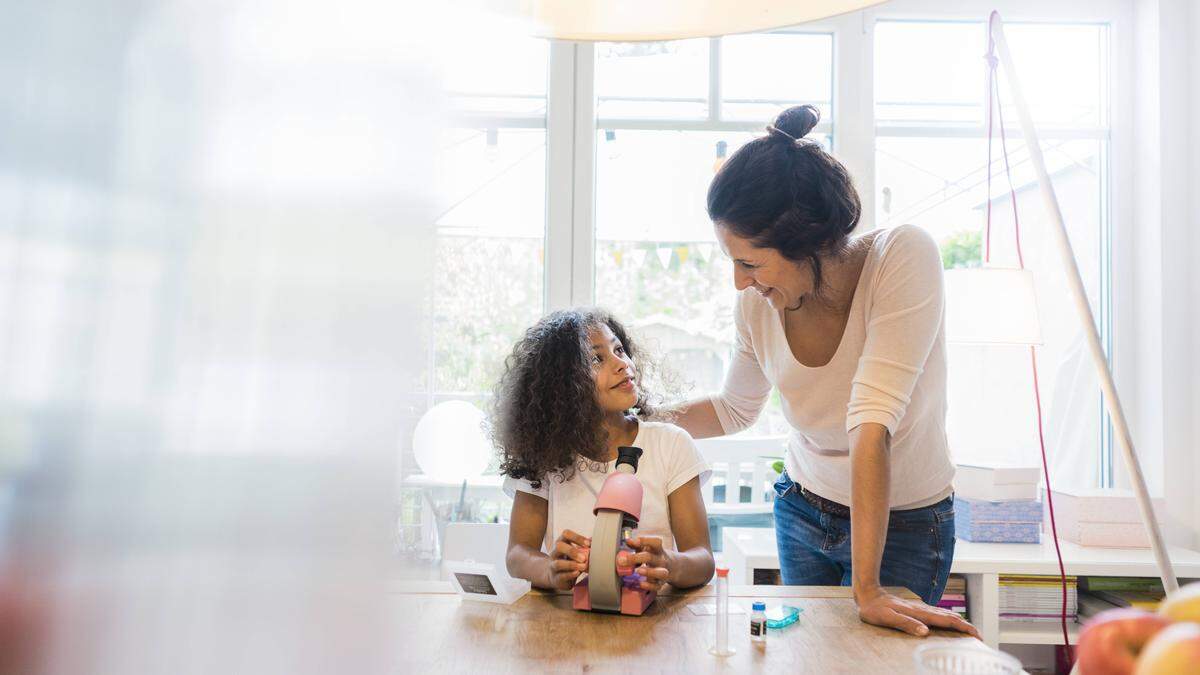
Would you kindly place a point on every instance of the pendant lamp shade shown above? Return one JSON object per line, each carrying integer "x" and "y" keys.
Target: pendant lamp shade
{"x": 653, "y": 20}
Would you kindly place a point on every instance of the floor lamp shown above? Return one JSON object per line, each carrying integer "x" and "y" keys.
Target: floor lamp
{"x": 1079, "y": 297}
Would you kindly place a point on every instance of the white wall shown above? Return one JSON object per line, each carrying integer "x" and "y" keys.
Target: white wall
{"x": 1164, "y": 397}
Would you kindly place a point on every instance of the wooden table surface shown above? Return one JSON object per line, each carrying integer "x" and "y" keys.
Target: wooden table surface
{"x": 439, "y": 632}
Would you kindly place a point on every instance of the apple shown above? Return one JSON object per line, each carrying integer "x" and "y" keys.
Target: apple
{"x": 1111, "y": 641}
{"x": 1183, "y": 604}
{"x": 1173, "y": 651}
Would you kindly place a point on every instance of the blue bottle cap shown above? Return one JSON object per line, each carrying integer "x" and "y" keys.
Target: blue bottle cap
{"x": 759, "y": 606}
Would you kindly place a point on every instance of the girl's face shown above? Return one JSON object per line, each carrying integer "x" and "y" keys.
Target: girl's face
{"x": 613, "y": 370}
{"x": 781, "y": 281}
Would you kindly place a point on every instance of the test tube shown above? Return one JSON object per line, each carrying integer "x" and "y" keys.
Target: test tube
{"x": 721, "y": 643}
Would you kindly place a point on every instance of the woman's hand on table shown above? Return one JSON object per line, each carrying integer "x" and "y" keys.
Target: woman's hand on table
{"x": 568, "y": 559}
{"x": 877, "y": 606}
{"x": 650, "y": 559}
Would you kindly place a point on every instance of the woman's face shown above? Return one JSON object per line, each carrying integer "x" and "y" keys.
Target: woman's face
{"x": 613, "y": 369}
{"x": 781, "y": 281}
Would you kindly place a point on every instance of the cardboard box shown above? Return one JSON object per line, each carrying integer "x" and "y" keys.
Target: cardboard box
{"x": 997, "y": 482}
{"x": 1007, "y": 522}
{"x": 1100, "y": 517}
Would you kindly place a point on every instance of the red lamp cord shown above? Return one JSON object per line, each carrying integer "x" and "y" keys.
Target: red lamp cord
{"x": 993, "y": 87}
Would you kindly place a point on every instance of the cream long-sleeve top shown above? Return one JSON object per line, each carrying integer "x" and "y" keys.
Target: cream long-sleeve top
{"x": 890, "y": 368}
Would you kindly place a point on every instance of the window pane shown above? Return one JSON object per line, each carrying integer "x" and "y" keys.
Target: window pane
{"x": 490, "y": 227}
{"x": 935, "y": 72}
{"x": 509, "y": 79}
{"x": 929, "y": 71}
{"x": 652, "y": 80}
{"x": 1061, "y": 72}
{"x": 940, "y": 185}
{"x": 485, "y": 290}
{"x": 764, "y": 74}
{"x": 658, "y": 267}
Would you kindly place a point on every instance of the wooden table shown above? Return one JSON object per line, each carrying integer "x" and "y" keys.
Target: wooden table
{"x": 541, "y": 633}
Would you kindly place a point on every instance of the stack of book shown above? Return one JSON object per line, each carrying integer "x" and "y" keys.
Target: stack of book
{"x": 1037, "y": 598}
{"x": 954, "y": 598}
{"x": 1097, "y": 594}
{"x": 1101, "y": 517}
{"x": 995, "y": 503}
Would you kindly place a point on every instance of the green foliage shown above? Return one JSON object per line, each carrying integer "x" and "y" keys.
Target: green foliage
{"x": 962, "y": 249}
{"x": 486, "y": 293}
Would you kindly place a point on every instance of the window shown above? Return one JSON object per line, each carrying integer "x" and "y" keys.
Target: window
{"x": 931, "y": 169}
{"x": 491, "y": 217}
{"x": 657, "y": 265}
{"x": 618, "y": 143}
{"x": 490, "y": 225}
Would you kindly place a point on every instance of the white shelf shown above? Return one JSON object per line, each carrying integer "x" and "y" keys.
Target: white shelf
{"x": 976, "y": 558}
{"x": 1036, "y": 632}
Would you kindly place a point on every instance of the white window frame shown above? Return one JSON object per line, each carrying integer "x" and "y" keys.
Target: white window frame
{"x": 571, "y": 131}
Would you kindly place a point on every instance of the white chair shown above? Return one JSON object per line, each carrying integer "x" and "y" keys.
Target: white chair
{"x": 741, "y": 462}
{"x": 481, "y": 542}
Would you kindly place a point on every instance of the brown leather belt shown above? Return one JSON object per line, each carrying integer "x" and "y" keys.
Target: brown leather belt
{"x": 825, "y": 505}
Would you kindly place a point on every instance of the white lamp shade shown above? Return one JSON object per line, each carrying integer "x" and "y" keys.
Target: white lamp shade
{"x": 449, "y": 442}
{"x": 991, "y": 305}
{"x": 650, "y": 20}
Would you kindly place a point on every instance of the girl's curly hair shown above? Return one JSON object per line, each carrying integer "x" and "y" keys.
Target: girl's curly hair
{"x": 545, "y": 417}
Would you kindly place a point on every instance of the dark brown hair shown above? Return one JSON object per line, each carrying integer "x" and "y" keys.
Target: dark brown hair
{"x": 785, "y": 192}
{"x": 545, "y": 417}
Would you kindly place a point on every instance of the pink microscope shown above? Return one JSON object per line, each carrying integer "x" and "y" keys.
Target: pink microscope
{"x": 607, "y": 587}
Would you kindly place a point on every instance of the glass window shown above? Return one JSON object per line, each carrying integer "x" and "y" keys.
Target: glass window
{"x": 765, "y": 73}
{"x": 652, "y": 80}
{"x": 937, "y": 179}
{"x": 929, "y": 71}
{"x": 658, "y": 267}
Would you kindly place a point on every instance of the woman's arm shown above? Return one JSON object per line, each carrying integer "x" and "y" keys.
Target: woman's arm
{"x": 870, "y": 480}
{"x": 692, "y": 563}
{"x": 699, "y": 418}
{"x": 525, "y": 560}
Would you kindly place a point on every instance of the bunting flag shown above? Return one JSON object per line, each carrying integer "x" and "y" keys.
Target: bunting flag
{"x": 637, "y": 257}
{"x": 664, "y": 255}
{"x": 705, "y": 251}
{"x": 682, "y": 252}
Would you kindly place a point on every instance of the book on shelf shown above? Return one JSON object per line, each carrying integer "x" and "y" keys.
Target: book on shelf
{"x": 1037, "y": 597}
{"x": 1120, "y": 584}
{"x": 1090, "y": 605}
{"x": 1147, "y": 600}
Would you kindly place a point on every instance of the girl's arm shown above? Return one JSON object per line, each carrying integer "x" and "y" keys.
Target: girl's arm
{"x": 870, "y": 479}
{"x": 525, "y": 560}
{"x": 692, "y": 564}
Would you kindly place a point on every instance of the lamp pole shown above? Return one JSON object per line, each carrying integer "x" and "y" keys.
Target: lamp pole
{"x": 1079, "y": 296}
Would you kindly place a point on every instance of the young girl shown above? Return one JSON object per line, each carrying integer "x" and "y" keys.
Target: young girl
{"x": 570, "y": 396}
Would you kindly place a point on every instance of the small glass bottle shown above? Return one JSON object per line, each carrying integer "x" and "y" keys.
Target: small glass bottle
{"x": 721, "y": 644}
{"x": 758, "y": 622}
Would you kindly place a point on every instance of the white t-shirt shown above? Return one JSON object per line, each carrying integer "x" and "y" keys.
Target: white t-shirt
{"x": 669, "y": 459}
{"x": 890, "y": 368}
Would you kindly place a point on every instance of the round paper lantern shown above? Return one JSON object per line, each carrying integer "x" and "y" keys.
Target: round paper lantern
{"x": 450, "y": 444}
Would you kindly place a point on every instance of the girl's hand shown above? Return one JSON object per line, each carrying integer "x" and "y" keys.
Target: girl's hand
{"x": 653, "y": 563}
{"x": 878, "y": 607}
{"x": 568, "y": 559}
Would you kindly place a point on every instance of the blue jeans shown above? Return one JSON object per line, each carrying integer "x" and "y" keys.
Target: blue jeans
{"x": 814, "y": 546}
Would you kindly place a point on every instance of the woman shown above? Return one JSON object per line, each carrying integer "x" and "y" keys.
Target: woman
{"x": 849, "y": 329}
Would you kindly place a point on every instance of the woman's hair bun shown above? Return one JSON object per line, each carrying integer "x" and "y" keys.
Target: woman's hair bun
{"x": 798, "y": 120}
